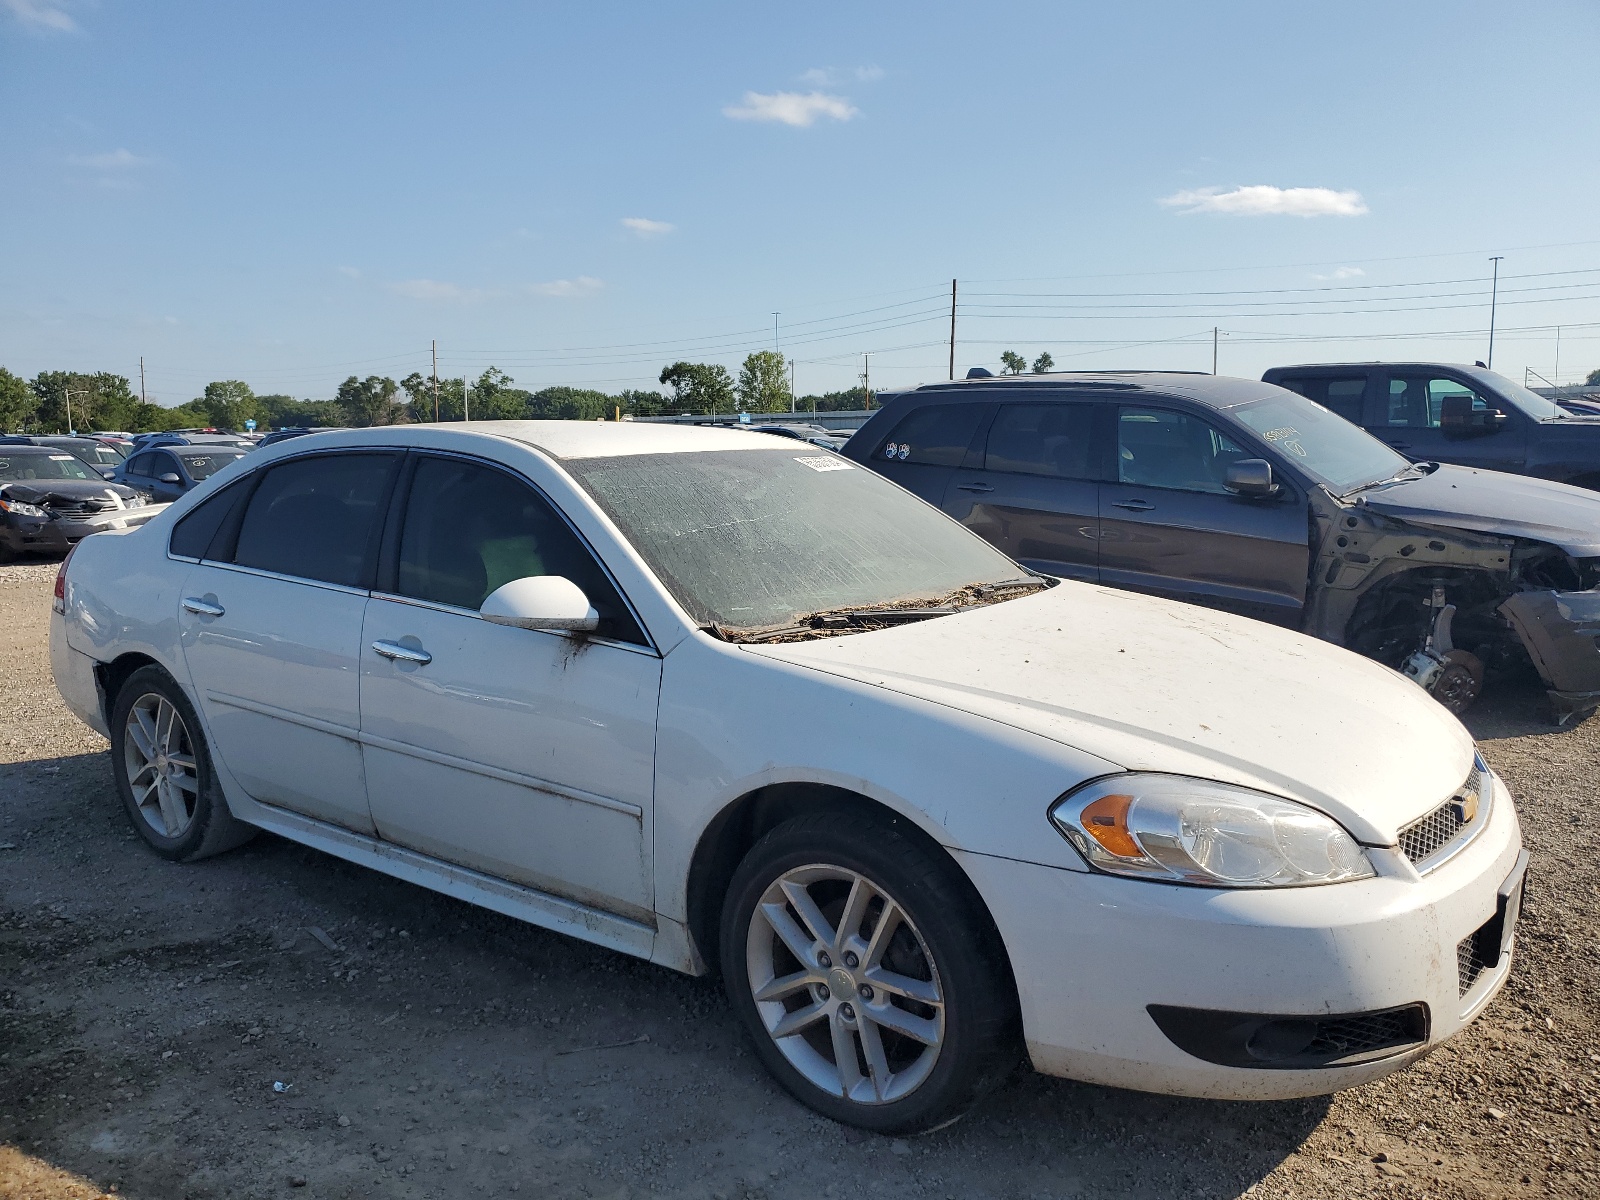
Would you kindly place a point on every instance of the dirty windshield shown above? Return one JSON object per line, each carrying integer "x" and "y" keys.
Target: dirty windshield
{"x": 15, "y": 468}
{"x": 751, "y": 539}
{"x": 1324, "y": 445}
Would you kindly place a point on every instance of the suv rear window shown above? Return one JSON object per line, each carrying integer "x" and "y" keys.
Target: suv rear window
{"x": 937, "y": 435}
{"x": 1342, "y": 395}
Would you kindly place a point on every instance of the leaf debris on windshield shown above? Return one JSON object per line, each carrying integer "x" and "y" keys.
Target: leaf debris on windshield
{"x": 833, "y": 622}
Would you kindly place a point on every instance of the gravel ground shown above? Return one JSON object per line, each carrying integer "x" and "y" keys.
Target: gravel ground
{"x": 428, "y": 1049}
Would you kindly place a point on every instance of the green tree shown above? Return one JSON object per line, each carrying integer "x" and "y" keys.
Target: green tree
{"x": 1013, "y": 363}
{"x": 571, "y": 404}
{"x": 1594, "y": 378}
{"x": 17, "y": 402}
{"x": 1044, "y": 364}
{"x": 370, "y": 401}
{"x": 228, "y": 404}
{"x": 764, "y": 383}
{"x": 641, "y": 403}
{"x": 492, "y": 398}
{"x": 97, "y": 401}
{"x": 698, "y": 387}
{"x": 278, "y": 411}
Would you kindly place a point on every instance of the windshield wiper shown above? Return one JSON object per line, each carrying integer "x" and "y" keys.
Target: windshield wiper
{"x": 1408, "y": 472}
{"x": 876, "y": 616}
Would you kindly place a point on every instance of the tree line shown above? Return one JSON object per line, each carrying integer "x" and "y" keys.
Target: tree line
{"x": 103, "y": 400}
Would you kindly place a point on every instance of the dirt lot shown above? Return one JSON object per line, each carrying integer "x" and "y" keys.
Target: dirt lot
{"x": 149, "y": 1011}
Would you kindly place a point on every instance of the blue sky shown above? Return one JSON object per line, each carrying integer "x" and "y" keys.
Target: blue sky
{"x": 293, "y": 192}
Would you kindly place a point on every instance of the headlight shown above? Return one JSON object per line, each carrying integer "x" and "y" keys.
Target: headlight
{"x": 1182, "y": 830}
{"x": 21, "y": 509}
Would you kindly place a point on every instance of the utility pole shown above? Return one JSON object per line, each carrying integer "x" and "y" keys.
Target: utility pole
{"x": 1214, "y": 336}
{"x": 866, "y": 380}
{"x": 435, "y": 381}
{"x": 952, "y": 329}
{"x": 465, "y": 414}
{"x": 1555, "y": 377}
{"x": 1494, "y": 296}
{"x": 775, "y": 317}
{"x": 793, "y": 400}
{"x": 67, "y": 389}
{"x": 142, "y": 400}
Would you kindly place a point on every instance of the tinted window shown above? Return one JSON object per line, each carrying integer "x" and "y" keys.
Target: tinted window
{"x": 139, "y": 464}
{"x": 1043, "y": 439}
{"x": 318, "y": 518}
{"x": 203, "y": 466}
{"x": 937, "y": 435}
{"x": 162, "y": 463}
{"x": 1342, "y": 395}
{"x": 1157, "y": 448}
{"x": 192, "y": 536}
{"x": 470, "y": 528}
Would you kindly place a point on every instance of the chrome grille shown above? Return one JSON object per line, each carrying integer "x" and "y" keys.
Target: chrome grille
{"x": 1457, "y": 818}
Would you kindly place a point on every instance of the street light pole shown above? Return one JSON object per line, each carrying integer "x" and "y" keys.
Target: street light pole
{"x": 1494, "y": 296}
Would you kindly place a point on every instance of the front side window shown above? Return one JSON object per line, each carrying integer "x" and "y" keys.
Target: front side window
{"x": 937, "y": 435}
{"x": 1043, "y": 439}
{"x": 469, "y": 529}
{"x": 318, "y": 518}
{"x": 1417, "y": 402}
{"x": 748, "y": 539}
{"x": 1160, "y": 448}
{"x": 140, "y": 464}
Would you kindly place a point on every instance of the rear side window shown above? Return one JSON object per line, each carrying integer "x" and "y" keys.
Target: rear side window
{"x": 1043, "y": 439}
{"x": 470, "y": 529}
{"x": 318, "y": 518}
{"x": 937, "y": 435}
{"x": 1340, "y": 395}
{"x": 192, "y": 536}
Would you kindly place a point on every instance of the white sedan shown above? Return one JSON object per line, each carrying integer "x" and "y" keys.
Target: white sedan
{"x": 741, "y": 706}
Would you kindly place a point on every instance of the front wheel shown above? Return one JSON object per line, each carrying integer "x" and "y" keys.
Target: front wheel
{"x": 867, "y": 973}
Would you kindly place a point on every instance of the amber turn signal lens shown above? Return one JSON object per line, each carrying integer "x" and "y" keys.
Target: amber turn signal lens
{"x": 1106, "y": 821}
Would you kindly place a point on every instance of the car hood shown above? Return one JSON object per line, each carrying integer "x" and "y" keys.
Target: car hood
{"x": 1493, "y": 502}
{"x": 1154, "y": 685}
{"x": 70, "y": 491}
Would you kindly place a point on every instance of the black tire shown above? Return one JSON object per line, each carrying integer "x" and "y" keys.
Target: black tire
{"x": 950, "y": 948}
{"x": 209, "y": 828}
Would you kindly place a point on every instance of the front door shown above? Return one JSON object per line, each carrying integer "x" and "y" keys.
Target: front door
{"x": 1169, "y": 526}
{"x": 1035, "y": 496}
{"x": 1409, "y": 408}
{"x": 525, "y": 754}
{"x": 271, "y": 632}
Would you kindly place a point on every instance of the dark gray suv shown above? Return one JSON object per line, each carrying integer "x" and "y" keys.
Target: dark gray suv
{"x": 1239, "y": 495}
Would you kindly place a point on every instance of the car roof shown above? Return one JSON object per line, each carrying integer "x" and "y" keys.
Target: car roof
{"x": 8, "y": 451}
{"x": 1345, "y": 366}
{"x": 559, "y": 439}
{"x": 1216, "y": 391}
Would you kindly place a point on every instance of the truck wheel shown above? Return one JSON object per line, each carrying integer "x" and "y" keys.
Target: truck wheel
{"x": 1459, "y": 681}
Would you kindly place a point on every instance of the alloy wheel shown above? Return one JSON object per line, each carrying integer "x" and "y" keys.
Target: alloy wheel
{"x": 159, "y": 758}
{"x": 845, "y": 984}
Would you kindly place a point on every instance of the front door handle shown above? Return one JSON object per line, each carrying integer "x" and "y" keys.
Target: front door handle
{"x": 976, "y": 487}
{"x": 399, "y": 653}
{"x": 202, "y": 608}
{"x": 1133, "y": 505}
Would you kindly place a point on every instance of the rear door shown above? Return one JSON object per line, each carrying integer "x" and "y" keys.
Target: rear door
{"x": 1034, "y": 493}
{"x": 1169, "y": 526}
{"x": 1406, "y": 413}
{"x": 924, "y": 448}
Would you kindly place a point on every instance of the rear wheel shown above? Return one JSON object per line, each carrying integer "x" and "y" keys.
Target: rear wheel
{"x": 163, "y": 771}
{"x": 866, "y": 972}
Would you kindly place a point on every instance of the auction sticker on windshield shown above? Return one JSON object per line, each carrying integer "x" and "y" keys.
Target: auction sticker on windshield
{"x": 821, "y": 462}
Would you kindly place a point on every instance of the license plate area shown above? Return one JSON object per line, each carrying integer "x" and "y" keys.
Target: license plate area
{"x": 1483, "y": 949}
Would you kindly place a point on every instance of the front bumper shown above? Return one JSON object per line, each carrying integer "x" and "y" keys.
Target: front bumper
{"x": 1561, "y": 631}
{"x": 45, "y": 535}
{"x": 1091, "y": 953}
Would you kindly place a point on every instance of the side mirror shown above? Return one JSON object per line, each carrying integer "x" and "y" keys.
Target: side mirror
{"x": 169, "y": 477}
{"x": 1251, "y": 477}
{"x": 540, "y": 602}
{"x": 106, "y": 472}
{"x": 1458, "y": 418}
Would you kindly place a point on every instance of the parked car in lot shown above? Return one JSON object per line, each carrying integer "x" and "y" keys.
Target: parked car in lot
{"x": 167, "y": 472}
{"x": 50, "y": 499}
{"x": 1243, "y": 496}
{"x": 734, "y": 704}
{"x": 102, "y": 455}
{"x": 1449, "y": 413}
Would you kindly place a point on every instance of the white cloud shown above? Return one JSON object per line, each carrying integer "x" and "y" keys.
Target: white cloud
{"x": 823, "y": 77}
{"x": 40, "y": 14}
{"x": 581, "y": 286}
{"x": 1342, "y": 273}
{"x": 645, "y": 227}
{"x": 115, "y": 160}
{"x": 1263, "y": 200}
{"x": 791, "y": 108}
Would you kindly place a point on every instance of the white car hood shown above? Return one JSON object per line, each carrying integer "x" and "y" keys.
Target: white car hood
{"x": 1154, "y": 685}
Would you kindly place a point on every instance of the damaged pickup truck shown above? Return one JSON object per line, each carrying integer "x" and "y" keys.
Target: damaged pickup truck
{"x": 50, "y": 500}
{"x": 1244, "y": 496}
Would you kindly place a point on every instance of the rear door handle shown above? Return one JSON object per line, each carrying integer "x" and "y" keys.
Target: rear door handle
{"x": 399, "y": 653}
{"x": 202, "y": 608}
{"x": 1133, "y": 505}
{"x": 976, "y": 487}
